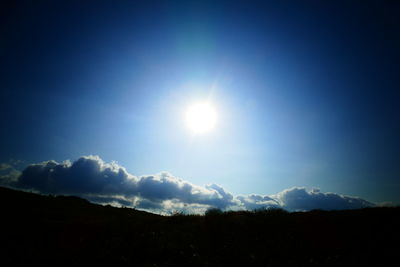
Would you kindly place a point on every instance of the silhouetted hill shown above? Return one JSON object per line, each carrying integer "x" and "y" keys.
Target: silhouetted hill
{"x": 47, "y": 230}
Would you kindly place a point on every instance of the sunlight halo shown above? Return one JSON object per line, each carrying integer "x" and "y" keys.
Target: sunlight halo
{"x": 201, "y": 117}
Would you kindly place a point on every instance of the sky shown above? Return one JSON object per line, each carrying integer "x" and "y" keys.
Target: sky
{"x": 306, "y": 96}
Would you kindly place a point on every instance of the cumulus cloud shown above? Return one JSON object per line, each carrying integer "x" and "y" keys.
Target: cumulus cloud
{"x": 109, "y": 183}
{"x": 254, "y": 202}
{"x": 5, "y": 166}
{"x": 299, "y": 198}
{"x": 90, "y": 177}
{"x": 8, "y": 174}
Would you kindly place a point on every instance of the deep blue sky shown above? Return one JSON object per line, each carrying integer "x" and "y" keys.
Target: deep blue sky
{"x": 307, "y": 93}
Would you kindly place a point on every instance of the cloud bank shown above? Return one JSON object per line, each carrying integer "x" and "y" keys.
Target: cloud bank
{"x": 109, "y": 183}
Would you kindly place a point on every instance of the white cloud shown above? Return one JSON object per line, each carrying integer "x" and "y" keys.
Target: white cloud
{"x": 109, "y": 183}
{"x": 299, "y": 198}
{"x": 5, "y": 166}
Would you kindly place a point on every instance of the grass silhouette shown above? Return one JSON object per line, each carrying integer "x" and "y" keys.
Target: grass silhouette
{"x": 53, "y": 230}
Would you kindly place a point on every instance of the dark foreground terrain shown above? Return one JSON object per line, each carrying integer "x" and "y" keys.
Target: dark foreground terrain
{"x": 47, "y": 230}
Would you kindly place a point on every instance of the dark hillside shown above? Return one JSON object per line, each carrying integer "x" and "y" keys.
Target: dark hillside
{"x": 47, "y": 230}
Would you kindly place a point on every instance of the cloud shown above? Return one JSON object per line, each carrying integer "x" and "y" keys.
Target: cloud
{"x": 109, "y": 183}
{"x": 299, "y": 198}
{"x": 254, "y": 202}
{"x": 90, "y": 177}
{"x": 5, "y": 166}
{"x": 8, "y": 174}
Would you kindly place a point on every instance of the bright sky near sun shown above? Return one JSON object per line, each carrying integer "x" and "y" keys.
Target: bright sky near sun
{"x": 201, "y": 117}
{"x": 255, "y": 97}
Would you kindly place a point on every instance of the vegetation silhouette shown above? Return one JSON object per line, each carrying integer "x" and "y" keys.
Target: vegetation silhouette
{"x": 54, "y": 230}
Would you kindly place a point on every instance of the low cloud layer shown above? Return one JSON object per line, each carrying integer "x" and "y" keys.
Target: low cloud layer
{"x": 109, "y": 183}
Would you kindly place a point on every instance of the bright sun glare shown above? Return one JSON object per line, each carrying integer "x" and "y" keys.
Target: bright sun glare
{"x": 201, "y": 117}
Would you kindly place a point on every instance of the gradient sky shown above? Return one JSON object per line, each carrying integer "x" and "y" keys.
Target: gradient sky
{"x": 307, "y": 94}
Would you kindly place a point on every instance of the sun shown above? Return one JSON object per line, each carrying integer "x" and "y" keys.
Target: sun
{"x": 201, "y": 117}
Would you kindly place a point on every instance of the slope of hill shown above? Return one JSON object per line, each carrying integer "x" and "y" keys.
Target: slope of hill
{"x": 49, "y": 230}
